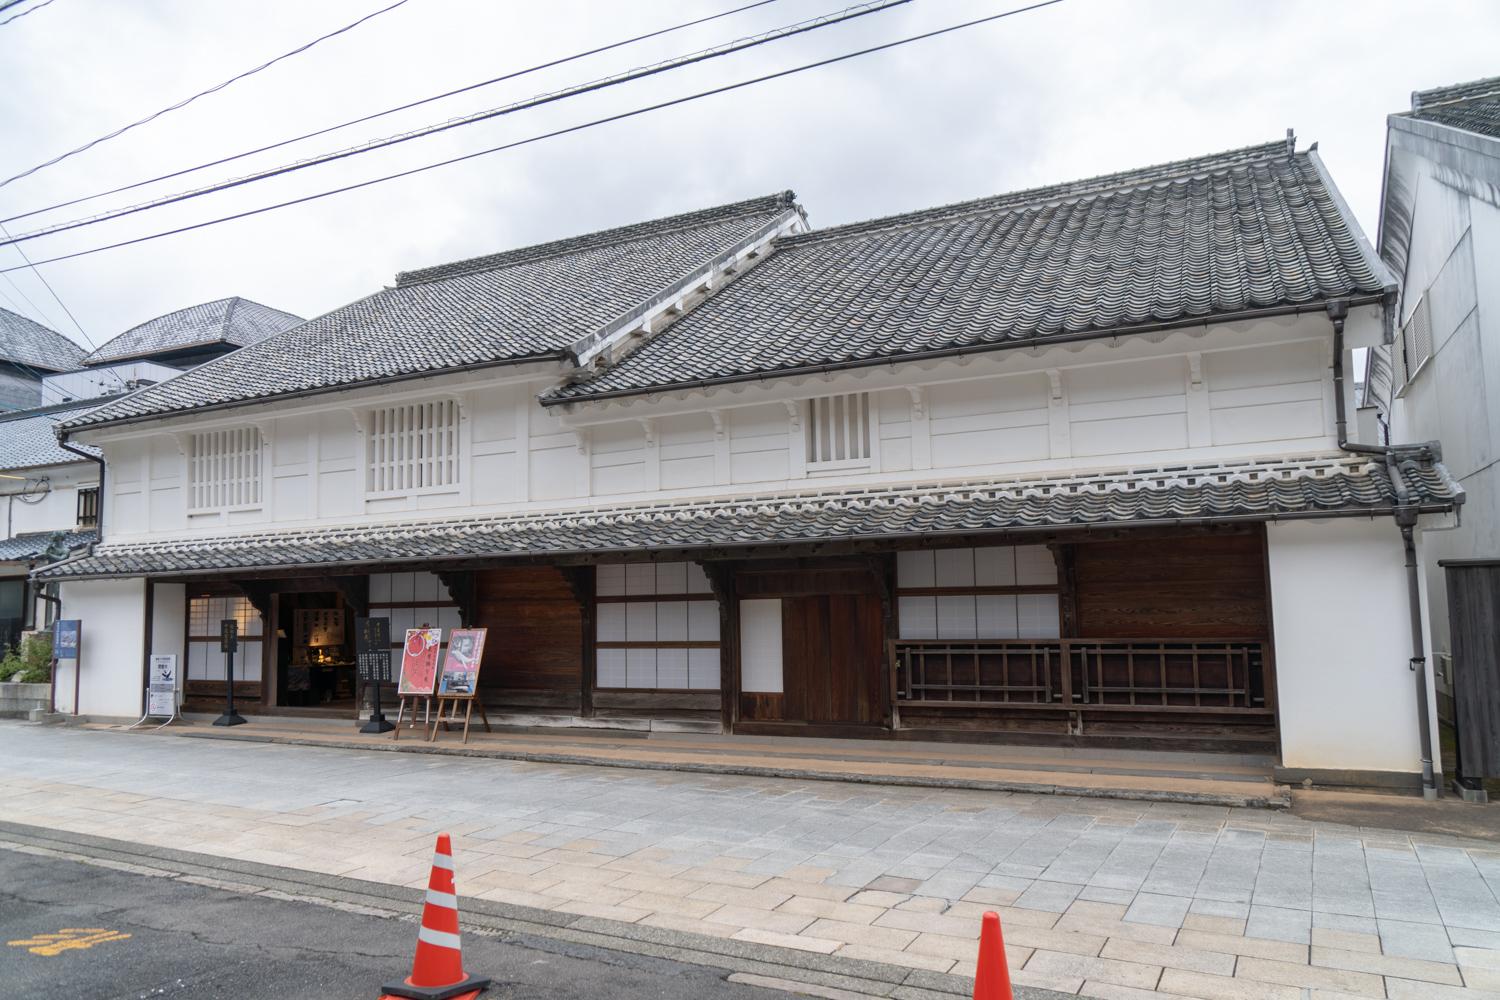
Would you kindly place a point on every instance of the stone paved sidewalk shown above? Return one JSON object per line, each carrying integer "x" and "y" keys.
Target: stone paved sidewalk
{"x": 1110, "y": 899}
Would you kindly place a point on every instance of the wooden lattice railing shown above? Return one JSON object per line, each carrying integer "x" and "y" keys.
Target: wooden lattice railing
{"x": 1156, "y": 675}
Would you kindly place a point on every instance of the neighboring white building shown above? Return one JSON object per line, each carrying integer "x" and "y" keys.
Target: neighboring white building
{"x": 1062, "y": 465}
{"x": 1440, "y": 379}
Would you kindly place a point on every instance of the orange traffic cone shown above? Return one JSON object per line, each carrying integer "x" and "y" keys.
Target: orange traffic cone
{"x": 992, "y": 976}
{"x": 437, "y": 971}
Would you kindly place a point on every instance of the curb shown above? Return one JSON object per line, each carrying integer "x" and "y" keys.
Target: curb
{"x": 1280, "y": 800}
{"x": 517, "y": 924}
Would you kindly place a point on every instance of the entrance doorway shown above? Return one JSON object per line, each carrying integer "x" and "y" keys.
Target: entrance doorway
{"x": 314, "y": 652}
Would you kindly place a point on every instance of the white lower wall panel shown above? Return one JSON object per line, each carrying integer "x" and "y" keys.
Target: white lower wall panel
{"x": 1340, "y": 612}
{"x": 112, "y": 645}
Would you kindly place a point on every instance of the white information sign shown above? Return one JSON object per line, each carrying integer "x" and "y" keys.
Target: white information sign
{"x": 161, "y": 700}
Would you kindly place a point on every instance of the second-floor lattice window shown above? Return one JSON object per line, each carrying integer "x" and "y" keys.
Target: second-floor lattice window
{"x": 838, "y": 430}
{"x": 88, "y": 507}
{"x": 224, "y": 469}
{"x": 413, "y": 446}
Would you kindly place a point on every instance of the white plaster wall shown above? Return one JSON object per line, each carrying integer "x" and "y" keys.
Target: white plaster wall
{"x": 55, "y": 510}
{"x": 1341, "y": 617}
{"x": 169, "y": 626}
{"x": 112, "y": 644}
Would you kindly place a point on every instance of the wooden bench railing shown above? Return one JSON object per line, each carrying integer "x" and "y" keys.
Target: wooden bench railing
{"x": 1212, "y": 676}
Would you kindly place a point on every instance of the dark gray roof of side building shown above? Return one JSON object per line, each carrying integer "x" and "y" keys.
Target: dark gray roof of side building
{"x": 32, "y": 545}
{"x": 1472, "y": 107}
{"x": 28, "y": 438}
{"x": 233, "y": 321}
{"x": 1249, "y": 229}
{"x": 27, "y": 342}
{"x": 535, "y": 302}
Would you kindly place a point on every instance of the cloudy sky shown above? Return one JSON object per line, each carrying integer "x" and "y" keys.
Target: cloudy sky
{"x": 1077, "y": 89}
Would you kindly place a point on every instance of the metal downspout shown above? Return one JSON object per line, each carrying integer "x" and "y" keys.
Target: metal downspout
{"x": 1406, "y": 520}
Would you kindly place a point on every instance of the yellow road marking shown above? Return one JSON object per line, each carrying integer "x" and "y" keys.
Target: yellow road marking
{"x": 67, "y": 939}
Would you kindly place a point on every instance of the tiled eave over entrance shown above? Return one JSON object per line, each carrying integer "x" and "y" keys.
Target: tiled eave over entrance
{"x": 1318, "y": 486}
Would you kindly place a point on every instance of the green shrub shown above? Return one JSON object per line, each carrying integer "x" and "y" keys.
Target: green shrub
{"x": 30, "y": 662}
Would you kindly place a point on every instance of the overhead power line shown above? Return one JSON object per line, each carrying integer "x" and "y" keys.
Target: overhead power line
{"x": 559, "y": 132}
{"x": 391, "y": 111}
{"x": 202, "y": 93}
{"x": 603, "y": 83}
{"x": 17, "y": 17}
{"x": 58, "y": 299}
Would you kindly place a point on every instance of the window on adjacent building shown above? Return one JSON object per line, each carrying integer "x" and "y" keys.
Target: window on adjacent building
{"x": 224, "y": 469}
{"x": 88, "y": 507}
{"x": 1416, "y": 339}
{"x": 413, "y": 446}
{"x": 838, "y": 431}
{"x": 658, "y": 627}
{"x": 205, "y": 661}
{"x": 997, "y": 592}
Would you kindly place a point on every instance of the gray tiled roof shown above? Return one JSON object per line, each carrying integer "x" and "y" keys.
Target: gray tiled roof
{"x": 1248, "y": 229}
{"x": 1322, "y": 486}
{"x": 530, "y": 303}
{"x": 31, "y": 545}
{"x": 30, "y": 343}
{"x": 234, "y": 321}
{"x": 1473, "y": 107}
{"x": 28, "y": 438}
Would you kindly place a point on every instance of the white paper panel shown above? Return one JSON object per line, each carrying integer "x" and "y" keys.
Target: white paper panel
{"x": 918, "y": 617}
{"x": 611, "y": 619}
{"x": 672, "y": 621}
{"x": 424, "y": 587}
{"x": 448, "y": 620}
{"x": 955, "y": 618}
{"x": 380, "y": 587}
{"x": 1035, "y": 565}
{"x": 671, "y": 578}
{"x": 1038, "y": 616}
{"x": 703, "y": 669}
{"x": 955, "y": 567}
{"x": 640, "y": 668}
{"x": 703, "y": 621}
{"x": 640, "y": 622}
{"x": 997, "y": 617}
{"x": 640, "y": 579}
{"x": 995, "y": 566}
{"x": 403, "y": 587}
{"x": 609, "y": 580}
{"x": 915, "y": 569}
{"x": 671, "y": 668}
{"x": 760, "y": 645}
{"x": 610, "y": 667}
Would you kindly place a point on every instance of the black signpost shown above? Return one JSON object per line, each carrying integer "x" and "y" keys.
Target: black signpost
{"x": 229, "y": 641}
{"x": 372, "y": 650}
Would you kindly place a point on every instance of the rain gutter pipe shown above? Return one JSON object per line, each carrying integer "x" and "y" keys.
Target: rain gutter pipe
{"x": 1405, "y": 514}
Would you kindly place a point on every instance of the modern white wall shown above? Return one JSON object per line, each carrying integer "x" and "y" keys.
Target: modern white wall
{"x": 1225, "y": 392}
{"x": 1341, "y": 617}
{"x": 112, "y": 644}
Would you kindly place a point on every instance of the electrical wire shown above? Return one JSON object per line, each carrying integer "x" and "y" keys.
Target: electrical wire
{"x": 58, "y": 299}
{"x": 17, "y": 17}
{"x": 715, "y": 52}
{"x": 390, "y": 111}
{"x": 202, "y": 93}
{"x": 554, "y": 134}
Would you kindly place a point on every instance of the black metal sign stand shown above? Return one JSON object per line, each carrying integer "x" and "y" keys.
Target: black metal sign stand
{"x": 229, "y": 641}
{"x": 373, "y": 650}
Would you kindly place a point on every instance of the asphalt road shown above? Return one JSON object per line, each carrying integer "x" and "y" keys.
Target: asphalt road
{"x": 187, "y": 940}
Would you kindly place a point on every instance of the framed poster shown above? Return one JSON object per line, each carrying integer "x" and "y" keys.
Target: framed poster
{"x": 460, "y": 676}
{"x": 161, "y": 700}
{"x": 419, "y": 661}
{"x": 65, "y": 638}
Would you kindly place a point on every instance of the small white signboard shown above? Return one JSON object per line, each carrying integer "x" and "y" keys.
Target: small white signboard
{"x": 161, "y": 700}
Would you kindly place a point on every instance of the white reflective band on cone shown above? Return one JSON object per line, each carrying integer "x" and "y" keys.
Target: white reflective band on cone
{"x": 440, "y": 938}
{"x": 442, "y": 861}
{"x": 447, "y": 900}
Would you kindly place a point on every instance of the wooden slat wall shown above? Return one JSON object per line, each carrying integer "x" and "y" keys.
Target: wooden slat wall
{"x": 1201, "y": 587}
{"x": 535, "y": 641}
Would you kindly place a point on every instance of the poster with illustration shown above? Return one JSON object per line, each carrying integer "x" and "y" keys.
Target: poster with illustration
{"x": 460, "y": 677}
{"x": 419, "y": 660}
